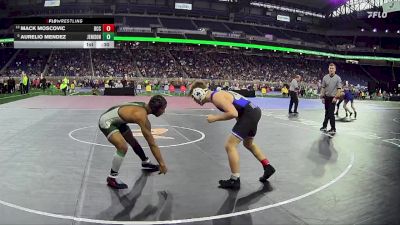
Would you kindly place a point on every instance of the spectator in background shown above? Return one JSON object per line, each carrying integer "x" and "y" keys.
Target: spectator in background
{"x": 183, "y": 89}
{"x": 171, "y": 88}
{"x": 43, "y": 82}
{"x": 24, "y": 83}
{"x": 111, "y": 83}
{"x": 124, "y": 82}
{"x": 139, "y": 87}
{"x": 166, "y": 88}
{"x": 13, "y": 84}
{"x": 284, "y": 91}
{"x": 2, "y": 86}
{"x": 64, "y": 85}
{"x": 28, "y": 84}
{"x": 72, "y": 87}
{"x": 10, "y": 85}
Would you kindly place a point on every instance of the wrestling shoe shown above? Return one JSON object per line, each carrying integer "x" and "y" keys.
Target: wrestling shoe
{"x": 268, "y": 171}
{"x": 149, "y": 165}
{"x": 116, "y": 183}
{"x": 230, "y": 184}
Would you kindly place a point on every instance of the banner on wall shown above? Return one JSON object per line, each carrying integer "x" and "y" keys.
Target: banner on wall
{"x": 184, "y": 6}
{"x": 283, "y": 18}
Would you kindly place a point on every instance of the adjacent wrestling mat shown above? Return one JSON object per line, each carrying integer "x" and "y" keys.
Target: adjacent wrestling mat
{"x": 54, "y": 162}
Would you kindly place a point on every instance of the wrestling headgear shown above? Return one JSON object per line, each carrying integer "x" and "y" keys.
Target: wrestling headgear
{"x": 199, "y": 94}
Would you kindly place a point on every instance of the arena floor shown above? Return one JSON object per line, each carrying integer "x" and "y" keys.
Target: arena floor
{"x": 55, "y": 162}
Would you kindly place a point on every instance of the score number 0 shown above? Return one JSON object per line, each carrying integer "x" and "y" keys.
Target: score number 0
{"x": 108, "y": 27}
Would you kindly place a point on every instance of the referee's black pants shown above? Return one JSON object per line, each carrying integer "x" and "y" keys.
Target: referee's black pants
{"x": 329, "y": 112}
{"x": 293, "y": 99}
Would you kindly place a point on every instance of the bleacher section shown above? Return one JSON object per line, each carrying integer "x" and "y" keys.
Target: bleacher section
{"x": 5, "y": 23}
{"x": 341, "y": 40}
{"x": 275, "y": 32}
{"x": 244, "y": 28}
{"x": 306, "y": 37}
{"x": 136, "y": 21}
{"x": 5, "y": 55}
{"x": 390, "y": 43}
{"x": 231, "y": 39}
{"x": 180, "y": 36}
{"x": 380, "y": 73}
{"x": 198, "y": 37}
{"x": 30, "y": 61}
{"x": 367, "y": 42}
{"x": 215, "y": 17}
{"x": 184, "y": 24}
{"x": 213, "y": 26}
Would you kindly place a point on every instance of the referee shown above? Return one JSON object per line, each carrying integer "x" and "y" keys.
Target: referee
{"x": 330, "y": 93}
{"x": 293, "y": 92}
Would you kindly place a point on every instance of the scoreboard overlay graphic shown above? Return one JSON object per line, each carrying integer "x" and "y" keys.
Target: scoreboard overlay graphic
{"x": 64, "y": 33}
